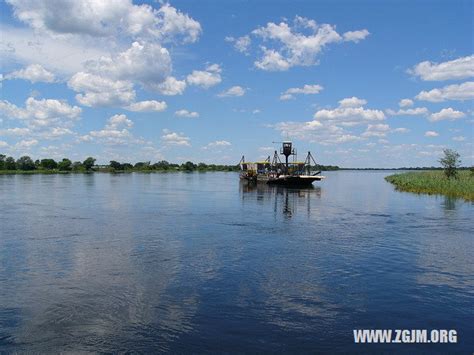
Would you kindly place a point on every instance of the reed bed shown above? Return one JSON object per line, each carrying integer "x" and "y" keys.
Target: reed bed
{"x": 435, "y": 182}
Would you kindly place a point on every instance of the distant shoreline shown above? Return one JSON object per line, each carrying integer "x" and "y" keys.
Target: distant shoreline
{"x": 177, "y": 170}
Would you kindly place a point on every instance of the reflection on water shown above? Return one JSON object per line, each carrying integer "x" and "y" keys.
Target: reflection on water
{"x": 203, "y": 263}
{"x": 285, "y": 200}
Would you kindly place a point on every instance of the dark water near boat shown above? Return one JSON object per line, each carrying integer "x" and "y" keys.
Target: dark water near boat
{"x": 202, "y": 263}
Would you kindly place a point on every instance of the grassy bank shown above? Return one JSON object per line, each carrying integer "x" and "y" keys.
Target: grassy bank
{"x": 435, "y": 182}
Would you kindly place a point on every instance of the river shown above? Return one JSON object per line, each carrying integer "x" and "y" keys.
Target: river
{"x": 200, "y": 262}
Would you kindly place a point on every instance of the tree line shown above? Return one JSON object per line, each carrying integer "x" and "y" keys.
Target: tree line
{"x": 25, "y": 163}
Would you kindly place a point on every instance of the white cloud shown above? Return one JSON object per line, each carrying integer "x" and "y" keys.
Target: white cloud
{"x": 459, "y": 139}
{"x": 100, "y": 91}
{"x": 298, "y": 44}
{"x": 431, "y": 134}
{"x": 335, "y": 126}
{"x": 171, "y": 86}
{"x": 186, "y": 113}
{"x": 405, "y": 103}
{"x": 256, "y": 111}
{"x": 460, "y": 68}
{"x": 3, "y": 144}
{"x": 376, "y": 130}
{"x": 233, "y": 92}
{"x": 147, "y": 106}
{"x": 44, "y": 113}
{"x": 34, "y": 73}
{"x": 210, "y": 77}
{"x": 173, "y": 138}
{"x": 64, "y": 56}
{"x": 146, "y": 63}
{"x": 408, "y": 112}
{"x": 217, "y": 144}
{"x": 355, "y": 36}
{"x": 347, "y": 114}
{"x": 106, "y": 18}
{"x": 173, "y": 23}
{"x": 115, "y": 132}
{"x": 461, "y": 92}
{"x": 25, "y": 144}
{"x": 272, "y": 61}
{"x": 401, "y": 130}
{"x": 446, "y": 114}
{"x": 16, "y": 131}
{"x": 241, "y": 44}
{"x": 286, "y": 97}
{"x": 352, "y": 102}
{"x": 306, "y": 90}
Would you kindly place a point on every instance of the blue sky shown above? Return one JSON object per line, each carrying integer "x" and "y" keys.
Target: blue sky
{"x": 358, "y": 83}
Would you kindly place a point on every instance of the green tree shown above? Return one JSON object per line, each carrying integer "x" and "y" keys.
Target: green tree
{"x": 127, "y": 166}
{"x": 161, "y": 165}
{"x": 88, "y": 163}
{"x": 10, "y": 164}
{"x": 77, "y": 166}
{"x": 48, "y": 164}
{"x": 450, "y": 162}
{"x": 25, "y": 163}
{"x": 142, "y": 165}
{"x": 188, "y": 166}
{"x": 115, "y": 165}
{"x": 65, "y": 165}
{"x": 2, "y": 161}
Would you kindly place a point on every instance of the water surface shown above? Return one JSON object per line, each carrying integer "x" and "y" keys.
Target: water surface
{"x": 200, "y": 262}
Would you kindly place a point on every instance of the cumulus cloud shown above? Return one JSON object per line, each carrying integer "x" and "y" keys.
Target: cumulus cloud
{"x": 294, "y": 44}
{"x": 217, "y": 144}
{"x": 26, "y": 144}
{"x": 99, "y": 91}
{"x": 186, "y": 113}
{"x": 63, "y": 56}
{"x": 146, "y": 63}
{"x": 460, "y": 92}
{"x": 116, "y": 132}
{"x": 352, "y": 102}
{"x": 233, "y": 92}
{"x": 446, "y": 114}
{"x": 171, "y": 86}
{"x": 107, "y": 18}
{"x": 42, "y": 114}
{"x": 173, "y": 138}
{"x": 408, "y": 112}
{"x": 350, "y": 112}
{"x": 405, "y": 103}
{"x": 34, "y": 73}
{"x": 335, "y": 126}
{"x": 3, "y": 144}
{"x": 376, "y": 130}
{"x": 205, "y": 78}
{"x": 147, "y": 106}
{"x": 355, "y": 36}
{"x": 431, "y": 134}
{"x": 241, "y": 44}
{"x": 401, "y": 130}
{"x": 305, "y": 90}
{"x": 460, "y": 68}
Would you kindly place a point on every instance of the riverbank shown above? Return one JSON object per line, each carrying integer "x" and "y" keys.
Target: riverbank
{"x": 435, "y": 182}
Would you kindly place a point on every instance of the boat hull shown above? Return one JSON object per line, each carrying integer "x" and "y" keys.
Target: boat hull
{"x": 294, "y": 181}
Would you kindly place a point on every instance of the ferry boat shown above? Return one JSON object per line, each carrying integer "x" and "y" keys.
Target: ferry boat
{"x": 276, "y": 172}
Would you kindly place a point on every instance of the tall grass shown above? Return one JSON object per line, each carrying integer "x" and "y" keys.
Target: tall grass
{"x": 435, "y": 182}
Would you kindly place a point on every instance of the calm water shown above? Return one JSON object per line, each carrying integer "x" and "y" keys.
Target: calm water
{"x": 199, "y": 262}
